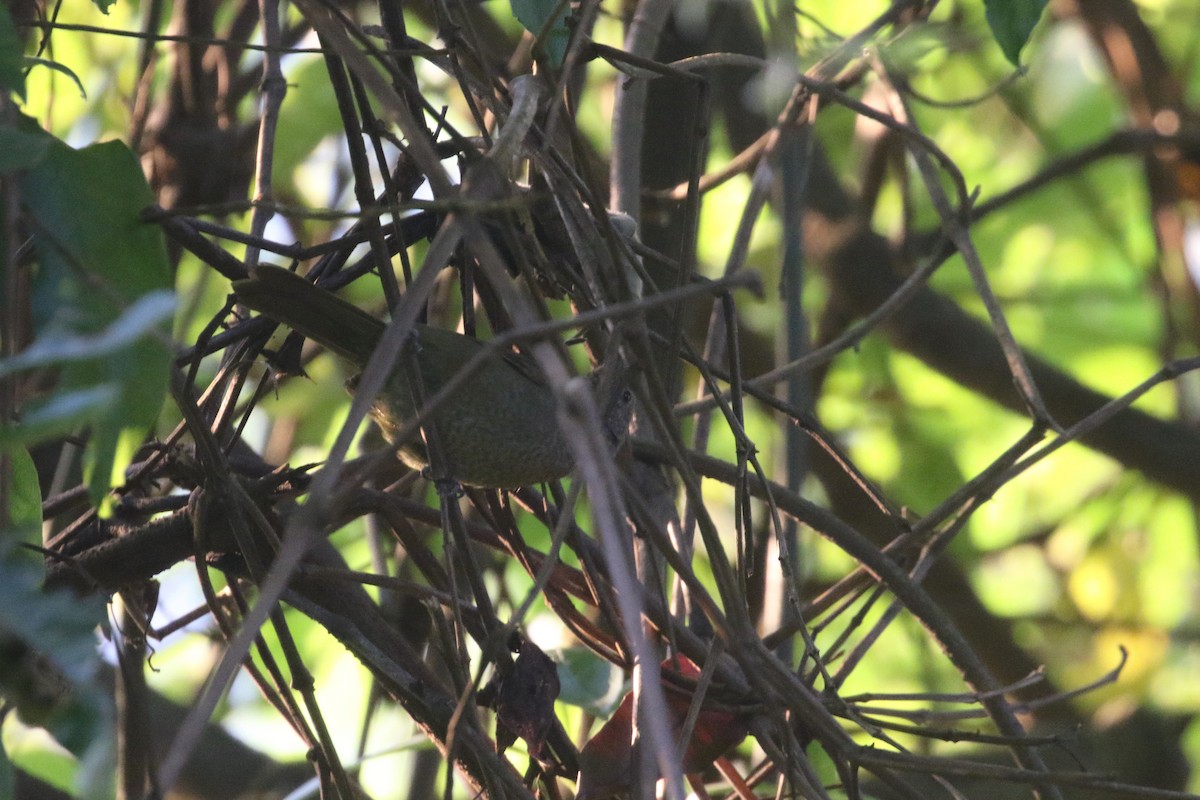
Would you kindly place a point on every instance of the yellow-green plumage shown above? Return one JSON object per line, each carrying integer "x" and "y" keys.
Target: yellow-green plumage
{"x": 498, "y": 429}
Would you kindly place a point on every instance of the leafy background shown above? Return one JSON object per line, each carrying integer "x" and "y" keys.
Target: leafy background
{"x": 1081, "y": 557}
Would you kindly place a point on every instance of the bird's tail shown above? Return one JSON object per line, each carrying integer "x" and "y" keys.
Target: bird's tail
{"x": 313, "y": 312}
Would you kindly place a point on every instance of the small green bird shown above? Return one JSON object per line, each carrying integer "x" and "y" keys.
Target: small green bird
{"x": 499, "y": 429}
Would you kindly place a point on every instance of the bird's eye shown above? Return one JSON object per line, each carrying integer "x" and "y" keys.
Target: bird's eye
{"x": 626, "y": 396}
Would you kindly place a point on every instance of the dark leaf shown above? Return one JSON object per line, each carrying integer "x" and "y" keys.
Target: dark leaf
{"x": 525, "y": 698}
{"x": 552, "y": 32}
{"x": 12, "y": 71}
{"x": 1012, "y": 21}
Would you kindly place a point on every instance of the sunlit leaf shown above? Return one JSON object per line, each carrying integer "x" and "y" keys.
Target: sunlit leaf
{"x": 24, "y": 499}
{"x": 34, "y": 751}
{"x": 309, "y": 114}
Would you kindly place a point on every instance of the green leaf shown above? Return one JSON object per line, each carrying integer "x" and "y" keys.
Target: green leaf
{"x": 149, "y": 313}
{"x": 12, "y": 72}
{"x": 59, "y": 625}
{"x": 8, "y": 779}
{"x": 96, "y": 778}
{"x": 540, "y": 18}
{"x": 49, "y": 660}
{"x": 48, "y": 655}
{"x": 20, "y": 150}
{"x": 103, "y": 5}
{"x": 63, "y": 413}
{"x": 57, "y": 67}
{"x": 24, "y": 500}
{"x": 588, "y": 681}
{"x": 43, "y": 759}
{"x": 309, "y": 114}
{"x": 100, "y": 298}
{"x": 1012, "y": 21}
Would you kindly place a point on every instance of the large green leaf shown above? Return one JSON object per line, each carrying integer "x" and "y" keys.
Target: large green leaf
{"x": 21, "y": 150}
{"x": 1012, "y": 21}
{"x": 101, "y": 300}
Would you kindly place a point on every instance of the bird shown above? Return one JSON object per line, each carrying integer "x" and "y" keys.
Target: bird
{"x": 498, "y": 429}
